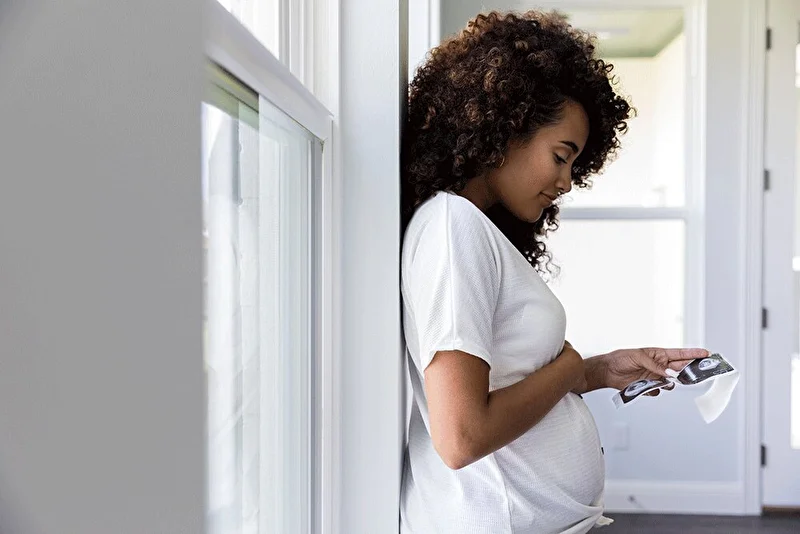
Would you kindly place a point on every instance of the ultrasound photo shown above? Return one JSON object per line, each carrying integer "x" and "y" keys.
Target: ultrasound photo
{"x": 641, "y": 387}
{"x": 702, "y": 369}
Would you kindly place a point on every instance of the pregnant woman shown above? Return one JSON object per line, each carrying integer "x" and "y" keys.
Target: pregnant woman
{"x": 503, "y": 120}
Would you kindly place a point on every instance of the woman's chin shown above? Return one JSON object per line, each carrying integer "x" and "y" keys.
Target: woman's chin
{"x": 533, "y": 216}
{"x": 530, "y": 215}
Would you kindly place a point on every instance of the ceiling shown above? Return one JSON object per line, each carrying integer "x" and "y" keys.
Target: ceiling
{"x": 638, "y": 32}
{"x": 629, "y": 33}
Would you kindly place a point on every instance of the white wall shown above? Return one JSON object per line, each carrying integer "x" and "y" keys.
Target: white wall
{"x": 725, "y": 214}
{"x": 796, "y": 254}
{"x": 456, "y": 14}
{"x": 668, "y": 177}
{"x": 669, "y": 135}
{"x": 797, "y": 189}
{"x": 373, "y": 95}
{"x": 101, "y": 389}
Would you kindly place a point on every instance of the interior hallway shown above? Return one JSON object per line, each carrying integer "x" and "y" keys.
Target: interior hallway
{"x": 702, "y": 524}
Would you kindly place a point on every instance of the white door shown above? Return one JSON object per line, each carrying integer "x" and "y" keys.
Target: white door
{"x": 781, "y": 370}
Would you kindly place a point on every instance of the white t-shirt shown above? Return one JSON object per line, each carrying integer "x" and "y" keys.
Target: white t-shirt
{"x": 466, "y": 287}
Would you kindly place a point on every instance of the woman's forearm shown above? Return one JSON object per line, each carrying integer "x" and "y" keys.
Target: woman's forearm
{"x": 511, "y": 411}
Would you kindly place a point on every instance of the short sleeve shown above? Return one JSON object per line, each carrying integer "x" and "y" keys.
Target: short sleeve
{"x": 454, "y": 282}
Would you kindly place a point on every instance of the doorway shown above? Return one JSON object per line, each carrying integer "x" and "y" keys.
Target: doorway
{"x": 781, "y": 262}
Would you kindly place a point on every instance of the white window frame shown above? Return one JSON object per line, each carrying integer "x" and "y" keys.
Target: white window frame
{"x": 231, "y": 46}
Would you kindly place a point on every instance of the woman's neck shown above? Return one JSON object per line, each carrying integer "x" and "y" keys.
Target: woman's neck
{"x": 479, "y": 193}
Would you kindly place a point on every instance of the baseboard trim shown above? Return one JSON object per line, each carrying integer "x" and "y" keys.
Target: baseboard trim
{"x": 648, "y": 496}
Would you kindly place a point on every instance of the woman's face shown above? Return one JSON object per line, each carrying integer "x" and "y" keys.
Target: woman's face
{"x": 535, "y": 174}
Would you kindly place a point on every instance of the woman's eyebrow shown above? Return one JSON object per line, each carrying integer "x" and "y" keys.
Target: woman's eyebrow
{"x": 571, "y": 145}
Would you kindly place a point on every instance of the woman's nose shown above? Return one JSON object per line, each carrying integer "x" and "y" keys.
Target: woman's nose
{"x": 564, "y": 182}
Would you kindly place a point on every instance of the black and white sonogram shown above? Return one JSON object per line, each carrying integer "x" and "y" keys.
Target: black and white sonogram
{"x": 634, "y": 390}
{"x": 702, "y": 369}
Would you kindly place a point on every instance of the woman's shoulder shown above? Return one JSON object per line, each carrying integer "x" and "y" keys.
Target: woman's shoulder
{"x": 450, "y": 210}
{"x": 449, "y": 223}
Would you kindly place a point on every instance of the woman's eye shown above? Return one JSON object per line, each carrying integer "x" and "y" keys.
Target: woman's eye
{"x": 560, "y": 160}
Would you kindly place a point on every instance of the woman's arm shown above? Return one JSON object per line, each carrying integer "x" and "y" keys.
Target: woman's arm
{"x": 468, "y": 423}
{"x": 619, "y": 368}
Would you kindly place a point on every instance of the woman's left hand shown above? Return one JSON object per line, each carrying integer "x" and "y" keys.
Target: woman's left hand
{"x": 621, "y": 367}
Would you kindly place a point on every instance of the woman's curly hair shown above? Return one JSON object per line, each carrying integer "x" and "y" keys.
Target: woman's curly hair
{"x": 501, "y": 79}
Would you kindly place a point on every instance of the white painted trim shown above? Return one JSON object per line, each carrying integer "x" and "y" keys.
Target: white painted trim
{"x": 695, "y": 25}
{"x": 229, "y": 44}
{"x": 327, "y": 72}
{"x": 624, "y": 214}
{"x": 752, "y": 200}
{"x": 434, "y": 23}
{"x": 298, "y": 37}
{"x": 685, "y": 497}
{"x": 368, "y": 126}
{"x": 324, "y": 55}
{"x": 285, "y": 49}
{"x": 329, "y": 336}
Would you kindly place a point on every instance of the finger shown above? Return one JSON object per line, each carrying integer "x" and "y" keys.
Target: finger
{"x": 657, "y": 392}
{"x": 653, "y": 362}
{"x": 684, "y": 354}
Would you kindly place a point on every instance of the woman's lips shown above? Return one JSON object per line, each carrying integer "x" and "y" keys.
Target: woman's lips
{"x": 550, "y": 199}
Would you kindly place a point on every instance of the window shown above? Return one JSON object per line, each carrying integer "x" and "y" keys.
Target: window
{"x": 629, "y": 248}
{"x": 296, "y": 32}
{"x": 258, "y": 191}
{"x": 263, "y": 19}
{"x": 626, "y": 279}
{"x": 267, "y": 218}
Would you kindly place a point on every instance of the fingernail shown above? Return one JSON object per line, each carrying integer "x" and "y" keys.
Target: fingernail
{"x": 671, "y": 372}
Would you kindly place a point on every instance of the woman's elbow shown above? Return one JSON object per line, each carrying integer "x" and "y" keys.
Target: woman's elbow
{"x": 456, "y": 452}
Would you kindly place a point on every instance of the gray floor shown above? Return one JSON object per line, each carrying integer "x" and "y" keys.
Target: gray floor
{"x": 694, "y": 524}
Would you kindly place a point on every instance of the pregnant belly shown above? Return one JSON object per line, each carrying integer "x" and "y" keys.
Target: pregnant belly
{"x": 555, "y": 472}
